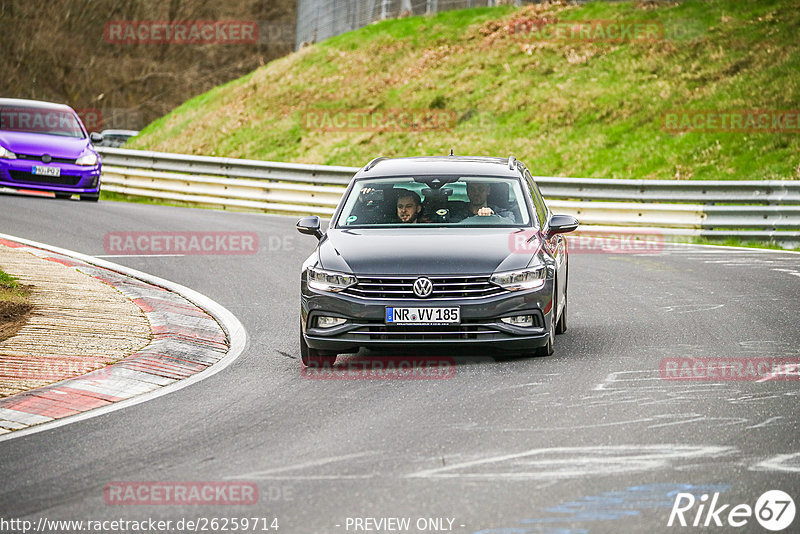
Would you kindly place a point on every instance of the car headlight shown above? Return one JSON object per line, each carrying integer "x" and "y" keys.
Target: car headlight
{"x": 531, "y": 278}
{"x": 6, "y": 154}
{"x": 90, "y": 158}
{"x": 329, "y": 281}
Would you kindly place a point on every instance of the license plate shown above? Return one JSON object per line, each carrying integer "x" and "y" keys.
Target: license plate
{"x": 423, "y": 315}
{"x": 47, "y": 171}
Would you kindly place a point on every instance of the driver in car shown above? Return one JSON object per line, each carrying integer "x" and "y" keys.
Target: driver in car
{"x": 478, "y": 194}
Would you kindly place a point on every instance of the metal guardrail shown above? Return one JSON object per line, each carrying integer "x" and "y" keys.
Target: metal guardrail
{"x": 230, "y": 167}
{"x": 699, "y": 191}
{"x": 761, "y": 210}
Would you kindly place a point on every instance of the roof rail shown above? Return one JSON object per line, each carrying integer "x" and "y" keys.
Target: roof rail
{"x": 511, "y": 162}
{"x": 374, "y": 162}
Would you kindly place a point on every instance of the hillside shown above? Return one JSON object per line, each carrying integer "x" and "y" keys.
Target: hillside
{"x": 503, "y": 80}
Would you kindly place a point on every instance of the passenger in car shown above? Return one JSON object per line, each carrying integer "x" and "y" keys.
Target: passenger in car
{"x": 409, "y": 206}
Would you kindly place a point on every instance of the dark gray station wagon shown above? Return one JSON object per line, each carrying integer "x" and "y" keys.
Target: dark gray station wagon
{"x": 433, "y": 251}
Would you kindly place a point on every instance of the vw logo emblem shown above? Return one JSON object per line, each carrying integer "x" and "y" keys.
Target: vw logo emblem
{"x": 46, "y": 158}
{"x": 423, "y": 287}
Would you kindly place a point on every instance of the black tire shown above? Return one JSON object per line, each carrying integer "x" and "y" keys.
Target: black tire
{"x": 547, "y": 350}
{"x": 63, "y": 196}
{"x": 561, "y": 325}
{"x": 91, "y": 198}
{"x": 313, "y": 357}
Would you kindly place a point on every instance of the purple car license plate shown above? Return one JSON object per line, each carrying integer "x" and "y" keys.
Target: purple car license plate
{"x": 47, "y": 171}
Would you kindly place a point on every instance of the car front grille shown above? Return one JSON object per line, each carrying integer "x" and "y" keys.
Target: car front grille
{"x": 39, "y": 158}
{"x": 423, "y": 333}
{"x": 22, "y": 176}
{"x": 390, "y": 287}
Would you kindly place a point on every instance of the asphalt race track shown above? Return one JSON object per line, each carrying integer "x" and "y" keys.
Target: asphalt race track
{"x": 591, "y": 439}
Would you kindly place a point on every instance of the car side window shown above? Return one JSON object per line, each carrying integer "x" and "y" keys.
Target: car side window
{"x": 538, "y": 201}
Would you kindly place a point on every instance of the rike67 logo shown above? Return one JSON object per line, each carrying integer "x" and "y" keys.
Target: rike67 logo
{"x": 774, "y": 511}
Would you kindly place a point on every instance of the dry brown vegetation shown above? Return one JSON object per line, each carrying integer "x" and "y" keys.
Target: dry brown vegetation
{"x": 56, "y": 51}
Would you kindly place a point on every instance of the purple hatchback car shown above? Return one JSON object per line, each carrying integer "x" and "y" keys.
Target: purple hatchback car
{"x": 45, "y": 147}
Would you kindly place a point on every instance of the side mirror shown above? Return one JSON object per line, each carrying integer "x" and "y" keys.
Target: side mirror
{"x": 561, "y": 224}
{"x": 309, "y": 226}
{"x": 96, "y": 138}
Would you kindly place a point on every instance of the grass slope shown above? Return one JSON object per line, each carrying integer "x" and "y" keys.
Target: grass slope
{"x": 568, "y": 108}
{"x": 14, "y": 305}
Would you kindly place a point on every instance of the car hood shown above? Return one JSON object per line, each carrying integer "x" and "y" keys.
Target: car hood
{"x": 421, "y": 251}
{"x": 38, "y": 144}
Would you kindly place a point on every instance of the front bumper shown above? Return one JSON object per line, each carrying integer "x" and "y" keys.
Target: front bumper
{"x": 76, "y": 179}
{"x": 480, "y": 322}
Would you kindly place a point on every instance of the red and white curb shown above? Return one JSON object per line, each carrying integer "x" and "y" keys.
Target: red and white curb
{"x": 193, "y": 338}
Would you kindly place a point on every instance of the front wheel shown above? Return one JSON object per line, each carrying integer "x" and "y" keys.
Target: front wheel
{"x": 547, "y": 349}
{"x": 561, "y": 325}
{"x": 313, "y": 357}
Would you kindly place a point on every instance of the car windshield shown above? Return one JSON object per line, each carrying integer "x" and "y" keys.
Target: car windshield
{"x": 435, "y": 201}
{"x": 115, "y": 139}
{"x": 40, "y": 120}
